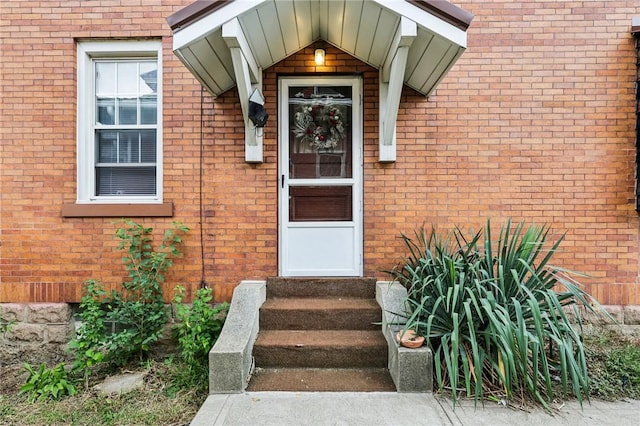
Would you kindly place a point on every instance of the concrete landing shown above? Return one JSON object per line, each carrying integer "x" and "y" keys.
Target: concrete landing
{"x": 319, "y": 408}
{"x": 396, "y": 409}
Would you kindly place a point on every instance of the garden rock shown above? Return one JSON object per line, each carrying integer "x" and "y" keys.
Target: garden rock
{"x": 122, "y": 383}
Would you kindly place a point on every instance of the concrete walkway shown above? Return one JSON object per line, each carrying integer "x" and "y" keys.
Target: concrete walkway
{"x": 397, "y": 409}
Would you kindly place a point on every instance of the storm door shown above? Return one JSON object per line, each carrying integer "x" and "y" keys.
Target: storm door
{"x": 320, "y": 176}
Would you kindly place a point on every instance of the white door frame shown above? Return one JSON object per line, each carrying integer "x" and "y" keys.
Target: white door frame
{"x": 301, "y": 240}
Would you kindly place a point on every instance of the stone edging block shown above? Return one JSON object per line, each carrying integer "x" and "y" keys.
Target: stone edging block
{"x": 411, "y": 369}
{"x": 230, "y": 359}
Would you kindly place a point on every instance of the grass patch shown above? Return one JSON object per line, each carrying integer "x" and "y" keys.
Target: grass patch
{"x": 159, "y": 403}
{"x": 614, "y": 366}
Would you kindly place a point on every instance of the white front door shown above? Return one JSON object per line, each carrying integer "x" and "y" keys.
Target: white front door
{"x": 320, "y": 176}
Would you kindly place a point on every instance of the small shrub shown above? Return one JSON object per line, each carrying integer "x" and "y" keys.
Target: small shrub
{"x": 137, "y": 309}
{"x": 493, "y": 313}
{"x": 47, "y": 383}
{"x": 197, "y": 330}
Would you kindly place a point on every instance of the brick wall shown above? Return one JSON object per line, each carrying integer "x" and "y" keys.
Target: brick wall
{"x": 45, "y": 258}
{"x": 535, "y": 122}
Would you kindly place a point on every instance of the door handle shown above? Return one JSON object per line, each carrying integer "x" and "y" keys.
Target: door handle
{"x": 282, "y": 180}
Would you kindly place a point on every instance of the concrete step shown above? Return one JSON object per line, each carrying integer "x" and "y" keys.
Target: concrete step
{"x": 321, "y": 380}
{"x": 322, "y": 287}
{"x": 320, "y": 349}
{"x": 320, "y": 313}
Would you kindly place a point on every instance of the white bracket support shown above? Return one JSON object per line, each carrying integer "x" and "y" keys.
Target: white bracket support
{"x": 391, "y": 82}
{"x": 248, "y": 78}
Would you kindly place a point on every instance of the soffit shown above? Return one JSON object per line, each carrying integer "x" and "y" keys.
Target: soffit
{"x": 276, "y": 29}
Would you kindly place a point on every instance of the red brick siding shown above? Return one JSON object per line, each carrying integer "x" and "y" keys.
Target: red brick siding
{"x": 535, "y": 122}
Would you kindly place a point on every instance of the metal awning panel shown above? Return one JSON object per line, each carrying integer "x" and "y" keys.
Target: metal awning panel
{"x": 368, "y": 30}
{"x": 276, "y": 29}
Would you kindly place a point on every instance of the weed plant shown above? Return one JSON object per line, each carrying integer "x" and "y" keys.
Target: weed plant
{"x": 197, "y": 330}
{"x": 494, "y": 313}
{"x": 47, "y": 383}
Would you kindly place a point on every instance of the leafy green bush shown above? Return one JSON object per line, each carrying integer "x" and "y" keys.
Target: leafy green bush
{"x": 47, "y": 383}
{"x": 494, "y": 312}
{"x": 137, "y": 311}
{"x": 197, "y": 330}
{"x": 139, "y": 308}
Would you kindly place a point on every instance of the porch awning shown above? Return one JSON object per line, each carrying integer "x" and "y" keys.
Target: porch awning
{"x": 275, "y": 29}
{"x": 226, "y": 43}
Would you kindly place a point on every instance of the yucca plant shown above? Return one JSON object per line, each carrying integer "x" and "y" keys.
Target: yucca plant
{"x": 494, "y": 312}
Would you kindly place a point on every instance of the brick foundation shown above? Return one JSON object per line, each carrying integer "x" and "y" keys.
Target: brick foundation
{"x": 627, "y": 321}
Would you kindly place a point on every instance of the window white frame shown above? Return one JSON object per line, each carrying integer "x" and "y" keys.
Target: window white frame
{"x": 88, "y": 53}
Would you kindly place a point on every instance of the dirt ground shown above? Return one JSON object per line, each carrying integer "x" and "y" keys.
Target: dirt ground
{"x": 12, "y": 376}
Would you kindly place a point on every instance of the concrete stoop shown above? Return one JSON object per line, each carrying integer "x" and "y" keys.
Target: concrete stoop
{"x": 305, "y": 335}
{"x": 320, "y": 335}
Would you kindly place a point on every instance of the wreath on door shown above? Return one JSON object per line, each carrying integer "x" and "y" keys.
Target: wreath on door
{"x": 320, "y": 126}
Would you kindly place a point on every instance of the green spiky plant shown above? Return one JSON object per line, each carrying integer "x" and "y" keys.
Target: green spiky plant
{"x": 494, "y": 313}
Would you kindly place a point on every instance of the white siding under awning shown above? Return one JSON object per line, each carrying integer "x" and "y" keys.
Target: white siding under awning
{"x": 275, "y": 29}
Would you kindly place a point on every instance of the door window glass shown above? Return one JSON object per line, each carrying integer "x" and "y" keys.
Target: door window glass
{"x": 320, "y": 132}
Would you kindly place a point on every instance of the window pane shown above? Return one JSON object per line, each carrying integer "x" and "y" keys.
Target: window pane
{"x": 129, "y": 146}
{"x": 128, "y": 78}
{"x": 148, "y": 109}
{"x": 107, "y": 146}
{"x": 148, "y": 146}
{"x": 149, "y": 76}
{"x": 343, "y": 92}
{"x": 105, "y": 78}
{"x": 125, "y": 181}
{"x": 126, "y": 146}
{"x": 128, "y": 111}
{"x": 105, "y": 91}
{"x": 320, "y": 132}
{"x": 106, "y": 110}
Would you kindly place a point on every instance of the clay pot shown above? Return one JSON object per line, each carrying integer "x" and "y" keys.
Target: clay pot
{"x": 409, "y": 339}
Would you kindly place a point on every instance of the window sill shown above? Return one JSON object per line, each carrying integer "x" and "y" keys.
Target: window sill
{"x": 118, "y": 210}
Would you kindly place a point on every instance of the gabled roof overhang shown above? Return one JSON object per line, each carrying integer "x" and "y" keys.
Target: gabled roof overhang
{"x": 225, "y": 43}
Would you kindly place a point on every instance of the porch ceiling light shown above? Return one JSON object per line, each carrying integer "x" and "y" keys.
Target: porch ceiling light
{"x": 319, "y": 56}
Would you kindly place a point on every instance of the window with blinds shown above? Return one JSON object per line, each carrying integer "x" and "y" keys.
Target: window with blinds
{"x": 125, "y": 127}
{"x": 119, "y": 117}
